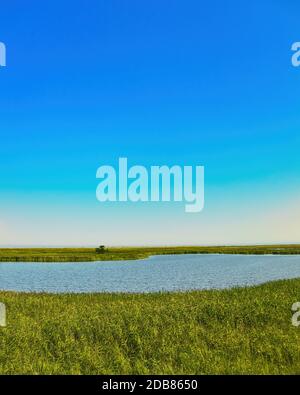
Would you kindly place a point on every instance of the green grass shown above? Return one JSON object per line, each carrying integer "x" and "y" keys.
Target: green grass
{"x": 126, "y": 253}
{"x": 238, "y": 331}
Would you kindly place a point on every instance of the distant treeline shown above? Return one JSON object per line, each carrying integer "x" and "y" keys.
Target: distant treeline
{"x": 132, "y": 253}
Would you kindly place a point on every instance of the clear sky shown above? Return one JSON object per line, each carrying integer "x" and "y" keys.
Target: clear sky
{"x": 160, "y": 82}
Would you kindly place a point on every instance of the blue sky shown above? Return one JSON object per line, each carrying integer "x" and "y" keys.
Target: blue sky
{"x": 160, "y": 82}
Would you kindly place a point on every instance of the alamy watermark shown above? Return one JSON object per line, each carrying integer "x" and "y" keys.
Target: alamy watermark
{"x": 296, "y": 315}
{"x": 2, "y": 315}
{"x": 2, "y": 55}
{"x": 160, "y": 183}
{"x": 296, "y": 56}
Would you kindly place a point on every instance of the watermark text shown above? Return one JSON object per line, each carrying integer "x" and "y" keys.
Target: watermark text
{"x": 160, "y": 184}
{"x": 2, "y": 315}
{"x": 296, "y": 315}
{"x": 2, "y": 54}
{"x": 296, "y": 55}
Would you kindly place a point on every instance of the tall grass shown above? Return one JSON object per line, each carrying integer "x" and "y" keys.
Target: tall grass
{"x": 238, "y": 331}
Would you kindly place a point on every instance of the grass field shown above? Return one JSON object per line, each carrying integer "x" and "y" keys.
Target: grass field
{"x": 125, "y": 253}
{"x": 238, "y": 331}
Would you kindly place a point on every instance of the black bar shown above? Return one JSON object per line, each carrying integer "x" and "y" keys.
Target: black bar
{"x": 135, "y": 384}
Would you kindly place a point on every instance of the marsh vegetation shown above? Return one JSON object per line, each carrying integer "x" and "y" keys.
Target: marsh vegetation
{"x": 237, "y": 331}
{"x": 127, "y": 253}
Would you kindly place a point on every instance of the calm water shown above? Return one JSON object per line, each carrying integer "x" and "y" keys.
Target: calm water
{"x": 158, "y": 273}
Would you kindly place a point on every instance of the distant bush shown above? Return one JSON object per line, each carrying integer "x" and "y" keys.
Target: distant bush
{"x": 100, "y": 250}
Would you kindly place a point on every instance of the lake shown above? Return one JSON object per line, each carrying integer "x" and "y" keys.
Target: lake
{"x": 157, "y": 273}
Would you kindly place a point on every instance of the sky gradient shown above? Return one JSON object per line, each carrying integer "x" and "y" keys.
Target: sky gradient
{"x": 162, "y": 83}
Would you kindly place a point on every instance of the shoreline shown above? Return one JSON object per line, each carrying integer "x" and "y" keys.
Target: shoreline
{"x": 145, "y": 258}
{"x": 150, "y": 293}
{"x": 60, "y": 255}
